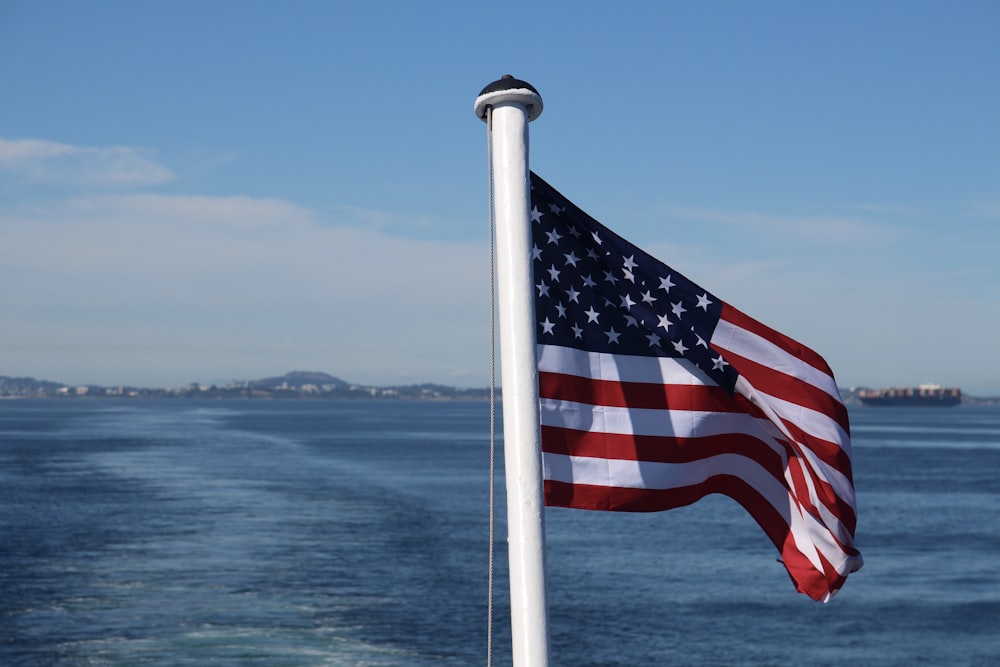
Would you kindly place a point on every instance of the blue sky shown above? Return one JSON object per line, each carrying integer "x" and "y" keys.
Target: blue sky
{"x": 217, "y": 190}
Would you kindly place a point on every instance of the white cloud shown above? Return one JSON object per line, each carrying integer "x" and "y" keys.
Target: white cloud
{"x": 48, "y": 162}
{"x": 145, "y": 288}
{"x": 988, "y": 210}
{"x": 204, "y": 285}
{"x": 385, "y": 220}
{"x": 889, "y": 209}
{"x": 829, "y": 229}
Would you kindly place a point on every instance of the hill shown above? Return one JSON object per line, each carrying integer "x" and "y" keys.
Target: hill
{"x": 300, "y": 379}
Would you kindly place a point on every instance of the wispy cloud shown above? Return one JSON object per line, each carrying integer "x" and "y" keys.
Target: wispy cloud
{"x": 265, "y": 282}
{"x": 830, "y": 229}
{"x": 888, "y": 209}
{"x": 49, "y": 162}
{"x": 988, "y": 210}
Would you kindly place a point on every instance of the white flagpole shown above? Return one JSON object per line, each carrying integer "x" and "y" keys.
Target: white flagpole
{"x": 514, "y": 104}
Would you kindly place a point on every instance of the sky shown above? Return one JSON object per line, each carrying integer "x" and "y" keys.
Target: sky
{"x": 209, "y": 191}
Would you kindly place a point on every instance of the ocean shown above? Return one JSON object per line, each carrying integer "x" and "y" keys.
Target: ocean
{"x": 309, "y": 533}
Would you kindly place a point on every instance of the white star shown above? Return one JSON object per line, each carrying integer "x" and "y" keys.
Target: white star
{"x": 592, "y": 254}
{"x": 630, "y": 262}
{"x": 572, "y": 295}
{"x": 536, "y": 252}
{"x": 665, "y": 284}
{"x": 547, "y": 326}
{"x": 612, "y": 335}
{"x": 591, "y": 314}
{"x": 554, "y": 236}
{"x": 555, "y": 209}
{"x": 609, "y": 278}
{"x": 577, "y": 332}
{"x": 597, "y": 239}
{"x": 654, "y": 340}
{"x": 703, "y": 302}
{"x": 719, "y": 364}
{"x": 679, "y": 346}
{"x": 629, "y": 276}
{"x": 572, "y": 258}
{"x": 588, "y": 282}
{"x": 575, "y": 232}
{"x": 701, "y": 341}
{"x": 562, "y": 310}
{"x": 609, "y": 303}
{"x": 554, "y": 273}
{"x": 631, "y": 322}
{"x": 678, "y": 309}
{"x": 536, "y": 215}
{"x": 664, "y": 322}
{"x": 648, "y": 298}
{"x": 627, "y": 302}
{"x": 543, "y": 289}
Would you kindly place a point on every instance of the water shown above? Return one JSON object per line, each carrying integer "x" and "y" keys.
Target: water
{"x": 332, "y": 533}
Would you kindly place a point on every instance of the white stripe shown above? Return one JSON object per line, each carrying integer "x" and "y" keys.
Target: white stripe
{"x": 652, "y": 422}
{"x": 656, "y": 475}
{"x": 619, "y": 367}
{"x": 815, "y": 423}
{"x": 827, "y": 519}
{"x": 809, "y": 535}
{"x": 835, "y": 477}
{"x": 730, "y": 338}
{"x": 833, "y": 522}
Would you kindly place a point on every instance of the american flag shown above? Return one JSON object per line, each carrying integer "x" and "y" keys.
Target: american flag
{"x": 655, "y": 393}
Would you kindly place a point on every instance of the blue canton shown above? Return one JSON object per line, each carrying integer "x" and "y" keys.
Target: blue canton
{"x": 595, "y": 291}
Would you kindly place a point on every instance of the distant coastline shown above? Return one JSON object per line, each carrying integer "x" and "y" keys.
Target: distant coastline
{"x": 294, "y": 385}
{"x": 299, "y": 385}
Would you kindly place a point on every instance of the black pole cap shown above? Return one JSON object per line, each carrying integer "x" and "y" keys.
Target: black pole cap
{"x": 507, "y": 82}
{"x": 509, "y": 89}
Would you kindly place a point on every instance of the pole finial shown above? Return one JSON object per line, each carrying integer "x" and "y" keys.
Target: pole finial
{"x": 508, "y": 89}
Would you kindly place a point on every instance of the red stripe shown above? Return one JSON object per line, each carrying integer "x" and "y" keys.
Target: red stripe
{"x": 643, "y": 395}
{"x": 789, "y": 388}
{"x": 807, "y": 579}
{"x": 800, "y": 489}
{"x": 675, "y": 450}
{"x": 787, "y": 344}
{"x": 680, "y": 450}
{"x": 657, "y": 449}
{"x": 817, "y": 584}
{"x": 831, "y": 454}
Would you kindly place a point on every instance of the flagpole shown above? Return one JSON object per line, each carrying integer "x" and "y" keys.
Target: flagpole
{"x": 513, "y": 104}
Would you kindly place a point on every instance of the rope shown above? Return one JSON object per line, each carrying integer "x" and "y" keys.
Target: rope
{"x": 493, "y": 402}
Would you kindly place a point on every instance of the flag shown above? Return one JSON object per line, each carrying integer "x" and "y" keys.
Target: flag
{"x": 655, "y": 393}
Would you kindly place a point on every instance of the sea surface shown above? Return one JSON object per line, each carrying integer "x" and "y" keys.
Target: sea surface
{"x": 309, "y": 533}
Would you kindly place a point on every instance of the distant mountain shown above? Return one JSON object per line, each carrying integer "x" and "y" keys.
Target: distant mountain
{"x": 297, "y": 379}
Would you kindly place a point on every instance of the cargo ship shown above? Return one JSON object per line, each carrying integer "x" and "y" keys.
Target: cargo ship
{"x": 926, "y": 395}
